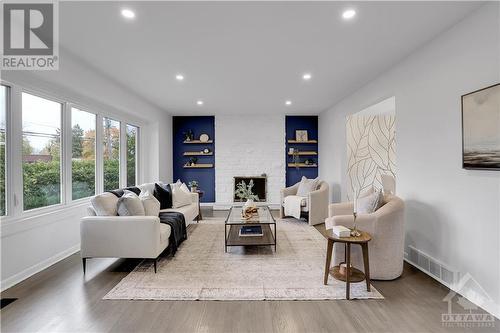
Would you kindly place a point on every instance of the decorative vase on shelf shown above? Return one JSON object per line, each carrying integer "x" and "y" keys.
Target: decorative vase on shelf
{"x": 194, "y": 189}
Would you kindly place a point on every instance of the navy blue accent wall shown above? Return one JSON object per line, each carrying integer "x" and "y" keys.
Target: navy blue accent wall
{"x": 204, "y": 176}
{"x": 309, "y": 123}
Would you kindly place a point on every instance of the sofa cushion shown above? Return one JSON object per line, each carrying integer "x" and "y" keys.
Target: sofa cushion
{"x": 105, "y": 204}
{"x": 306, "y": 186}
{"x": 150, "y": 203}
{"x": 180, "y": 196}
{"x": 164, "y": 195}
{"x": 190, "y": 211}
{"x": 130, "y": 205}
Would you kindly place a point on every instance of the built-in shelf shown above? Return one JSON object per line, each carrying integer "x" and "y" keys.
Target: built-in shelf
{"x": 300, "y": 142}
{"x": 199, "y": 166}
{"x": 302, "y": 165}
{"x": 304, "y": 153}
{"x": 198, "y": 142}
{"x": 197, "y": 153}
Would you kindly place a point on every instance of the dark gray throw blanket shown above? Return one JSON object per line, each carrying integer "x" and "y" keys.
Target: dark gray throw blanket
{"x": 178, "y": 226}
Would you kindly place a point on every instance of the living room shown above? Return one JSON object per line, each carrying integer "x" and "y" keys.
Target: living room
{"x": 250, "y": 166}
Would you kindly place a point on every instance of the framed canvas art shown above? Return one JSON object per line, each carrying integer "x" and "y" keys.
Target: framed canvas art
{"x": 481, "y": 129}
{"x": 301, "y": 135}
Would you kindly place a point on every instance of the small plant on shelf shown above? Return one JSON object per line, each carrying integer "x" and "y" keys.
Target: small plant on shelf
{"x": 193, "y": 185}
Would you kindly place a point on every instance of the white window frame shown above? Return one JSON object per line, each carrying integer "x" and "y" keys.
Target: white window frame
{"x": 14, "y": 172}
{"x": 137, "y": 138}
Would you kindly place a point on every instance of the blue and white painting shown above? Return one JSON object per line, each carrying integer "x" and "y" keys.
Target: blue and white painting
{"x": 481, "y": 129}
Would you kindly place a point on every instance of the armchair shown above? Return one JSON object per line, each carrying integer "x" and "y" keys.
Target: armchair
{"x": 316, "y": 206}
{"x": 386, "y": 225}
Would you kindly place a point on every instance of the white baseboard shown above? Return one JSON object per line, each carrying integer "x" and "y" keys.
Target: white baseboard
{"x": 30, "y": 271}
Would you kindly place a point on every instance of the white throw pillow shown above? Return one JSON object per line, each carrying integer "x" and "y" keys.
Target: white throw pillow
{"x": 130, "y": 205}
{"x": 180, "y": 185}
{"x": 150, "y": 203}
{"x": 105, "y": 204}
{"x": 180, "y": 197}
{"x": 370, "y": 203}
{"x": 306, "y": 186}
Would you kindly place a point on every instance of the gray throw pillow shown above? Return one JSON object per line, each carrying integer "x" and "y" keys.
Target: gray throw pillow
{"x": 130, "y": 205}
{"x": 306, "y": 186}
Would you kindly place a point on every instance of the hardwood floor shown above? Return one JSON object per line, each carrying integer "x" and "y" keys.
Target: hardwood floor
{"x": 61, "y": 299}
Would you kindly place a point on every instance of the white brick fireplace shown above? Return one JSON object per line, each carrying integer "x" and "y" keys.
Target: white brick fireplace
{"x": 249, "y": 146}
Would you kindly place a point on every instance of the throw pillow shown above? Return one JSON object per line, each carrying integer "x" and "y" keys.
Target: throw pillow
{"x": 150, "y": 203}
{"x": 130, "y": 205}
{"x": 306, "y": 186}
{"x": 105, "y": 204}
{"x": 164, "y": 195}
{"x": 120, "y": 192}
{"x": 370, "y": 203}
{"x": 180, "y": 197}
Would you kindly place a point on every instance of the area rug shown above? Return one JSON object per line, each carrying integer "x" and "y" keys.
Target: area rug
{"x": 201, "y": 270}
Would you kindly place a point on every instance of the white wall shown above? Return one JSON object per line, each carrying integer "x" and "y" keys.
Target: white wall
{"x": 452, "y": 214}
{"x": 36, "y": 240}
{"x": 249, "y": 146}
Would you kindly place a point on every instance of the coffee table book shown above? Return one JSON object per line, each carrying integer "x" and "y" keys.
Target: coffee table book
{"x": 341, "y": 231}
{"x": 251, "y": 231}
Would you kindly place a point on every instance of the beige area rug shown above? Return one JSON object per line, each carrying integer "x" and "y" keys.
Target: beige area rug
{"x": 201, "y": 270}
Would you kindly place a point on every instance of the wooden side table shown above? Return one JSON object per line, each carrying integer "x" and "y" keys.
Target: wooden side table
{"x": 351, "y": 275}
{"x": 200, "y": 195}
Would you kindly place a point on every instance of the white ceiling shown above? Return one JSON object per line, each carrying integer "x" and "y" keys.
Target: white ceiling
{"x": 244, "y": 58}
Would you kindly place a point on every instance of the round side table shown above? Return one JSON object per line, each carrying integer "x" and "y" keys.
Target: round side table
{"x": 351, "y": 274}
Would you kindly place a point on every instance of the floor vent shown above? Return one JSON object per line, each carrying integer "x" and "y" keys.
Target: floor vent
{"x": 431, "y": 266}
{"x": 6, "y": 301}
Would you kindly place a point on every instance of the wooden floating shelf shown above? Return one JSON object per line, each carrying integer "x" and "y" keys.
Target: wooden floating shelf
{"x": 197, "y": 153}
{"x": 302, "y": 165}
{"x": 199, "y": 166}
{"x": 198, "y": 142}
{"x": 299, "y": 142}
{"x": 302, "y": 153}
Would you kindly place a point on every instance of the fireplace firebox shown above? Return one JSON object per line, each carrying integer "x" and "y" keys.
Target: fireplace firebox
{"x": 259, "y": 187}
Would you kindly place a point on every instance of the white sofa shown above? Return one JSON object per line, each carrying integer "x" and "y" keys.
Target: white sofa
{"x": 129, "y": 236}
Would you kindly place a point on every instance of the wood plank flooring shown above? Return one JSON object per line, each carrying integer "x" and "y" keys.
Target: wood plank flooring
{"x": 61, "y": 299}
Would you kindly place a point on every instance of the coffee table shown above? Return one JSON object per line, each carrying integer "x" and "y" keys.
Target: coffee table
{"x": 235, "y": 221}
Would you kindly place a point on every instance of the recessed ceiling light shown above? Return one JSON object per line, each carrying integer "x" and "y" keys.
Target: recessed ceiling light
{"x": 307, "y": 76}
{"x": 179, "y": 77}
{"x": 199, "y": 102}
{"x": 348, "y": 14}
{"x": 288, "y": 102}
{"x": 127, "y": 13}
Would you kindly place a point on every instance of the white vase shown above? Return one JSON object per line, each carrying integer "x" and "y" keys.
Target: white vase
{"x": 249, "y": 203}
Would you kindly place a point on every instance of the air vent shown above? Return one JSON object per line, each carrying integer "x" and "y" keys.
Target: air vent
{"x": 432, "y": 267}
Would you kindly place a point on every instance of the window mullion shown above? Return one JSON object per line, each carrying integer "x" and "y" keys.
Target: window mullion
{"x": 99, "y": 162}
{"x": 66, "y": 155}
{"x": 15, "y": 153}
{"x": 123, "y": 154}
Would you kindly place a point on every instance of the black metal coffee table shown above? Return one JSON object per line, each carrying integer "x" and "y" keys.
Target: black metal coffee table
{"x": 235, "y": 221}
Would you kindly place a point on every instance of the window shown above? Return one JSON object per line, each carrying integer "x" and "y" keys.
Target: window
{"x": 131, "y": 154}
{"x": 3, "y": 150}
{"x": 111, "y": 153}
{"x": 82, "y": 153}
{"x": 41, "y": 149}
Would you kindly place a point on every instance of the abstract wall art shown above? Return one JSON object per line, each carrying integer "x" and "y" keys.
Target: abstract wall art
{"x": 481, "y": 129}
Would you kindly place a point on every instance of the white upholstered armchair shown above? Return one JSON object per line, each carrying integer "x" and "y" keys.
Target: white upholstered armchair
{"x": 386, "y": 225}
{"x": 316, "y": 204}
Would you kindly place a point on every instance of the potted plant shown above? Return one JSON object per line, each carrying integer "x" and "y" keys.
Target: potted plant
{"x": 193, "y": 185}
{"x": 244, "y": 191}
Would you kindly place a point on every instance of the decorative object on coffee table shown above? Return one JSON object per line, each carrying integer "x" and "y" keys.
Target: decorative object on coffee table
{"x": 345, "y": 271}
{"x": 244, "y": 191}
{"x": 301, "y": 135}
